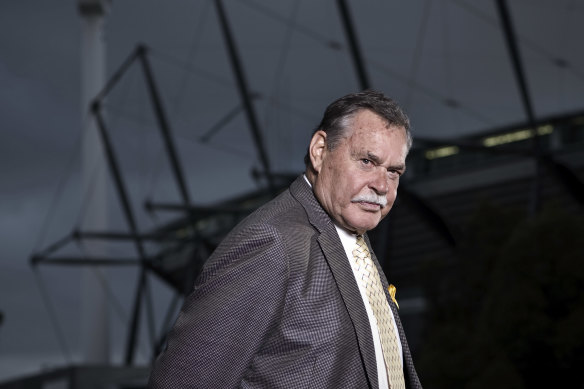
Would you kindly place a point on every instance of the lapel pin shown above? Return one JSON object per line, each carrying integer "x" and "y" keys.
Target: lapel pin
{"x": 391, "y": 289}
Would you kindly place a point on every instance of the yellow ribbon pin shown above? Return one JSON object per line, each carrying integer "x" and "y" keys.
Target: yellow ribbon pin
{"x": 391, "y": 289}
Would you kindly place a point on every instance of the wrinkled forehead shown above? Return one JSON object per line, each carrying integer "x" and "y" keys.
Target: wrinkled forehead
{"x": 371, "y": 124}
{"x": 378, "y": 143}
{"x": 352, "y": 120}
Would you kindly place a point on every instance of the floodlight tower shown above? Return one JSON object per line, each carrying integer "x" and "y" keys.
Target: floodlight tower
{"x": 94, "y": 312}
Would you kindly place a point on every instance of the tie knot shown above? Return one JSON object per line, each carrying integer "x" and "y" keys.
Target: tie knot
{"x": 361, "y": 247}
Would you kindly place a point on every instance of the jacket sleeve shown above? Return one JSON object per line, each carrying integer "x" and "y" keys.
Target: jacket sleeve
{"x": 236, "y": 302}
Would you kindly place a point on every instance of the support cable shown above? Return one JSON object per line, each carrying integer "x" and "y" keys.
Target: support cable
{"x": 377, "y": 65}
{"x": 87, "y": 196}
{"x": 419, "y": 47}
{"x": 215, "y": 128}
{"x": 118, "y": 309}
{"x": 117, "y": 306}
{"x": 362, "y": 76}
{"x": 164, "y": 126}
{"x": 526, "y": 42}
{"x": 59, "y": 334}
{"x": 133, "y": 331}
{"x": 150, "y": 315}
{"x": 115, "y": 78}
{"x": 167, "y": 322}
{"x": 110, "y": 295}
{"x": 428, "y": 92}
{"x": 243, "y": 90}
{"x": 337, "y": 46}
{"x": 448, "y": 62}
{"x": 187, "y": 67}
{"x": 281, "y": 64}
{"x": 198, "y": 33}
{"x": 308, "y": 32}
{"x": 42, "y": 256}
{"x": 125, "y": 201}
{"x": 515, "y": 55}
{"x": 165, "y": 130}
{"x": 57, "y": 195}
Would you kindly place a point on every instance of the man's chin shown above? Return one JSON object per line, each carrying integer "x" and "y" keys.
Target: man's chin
{"x": 363, "y": 224}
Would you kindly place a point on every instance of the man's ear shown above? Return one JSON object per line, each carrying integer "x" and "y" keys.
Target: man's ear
{"x": 317, "y": 150}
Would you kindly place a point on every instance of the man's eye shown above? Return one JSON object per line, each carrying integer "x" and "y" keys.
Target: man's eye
{"x": 365, "y": 161}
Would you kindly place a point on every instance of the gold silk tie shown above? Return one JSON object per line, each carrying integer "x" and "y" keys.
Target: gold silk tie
{"x": 370, "y": 281}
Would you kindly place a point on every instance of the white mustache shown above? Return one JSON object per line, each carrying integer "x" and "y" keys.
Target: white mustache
{"x": 371, "y": 198}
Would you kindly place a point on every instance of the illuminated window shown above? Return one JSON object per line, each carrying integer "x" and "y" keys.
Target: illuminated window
{"x": 441, "y": 152}
{"x": 516, "y": 136}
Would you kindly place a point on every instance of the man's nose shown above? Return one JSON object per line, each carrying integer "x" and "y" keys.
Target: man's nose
{"x": 380, "y": 182}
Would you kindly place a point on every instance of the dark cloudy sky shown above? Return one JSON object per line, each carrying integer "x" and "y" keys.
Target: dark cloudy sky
{"x": 295, "y": 57}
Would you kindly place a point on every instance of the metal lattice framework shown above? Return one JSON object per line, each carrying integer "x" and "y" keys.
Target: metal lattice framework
{"x": 186, "y": 242}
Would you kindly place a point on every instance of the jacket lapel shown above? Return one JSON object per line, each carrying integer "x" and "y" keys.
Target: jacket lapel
{"x": 345, "y": 280}
{"x": 336, "y": 258}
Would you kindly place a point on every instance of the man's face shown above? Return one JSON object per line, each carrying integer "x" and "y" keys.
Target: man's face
{"x": 356, "y": 183}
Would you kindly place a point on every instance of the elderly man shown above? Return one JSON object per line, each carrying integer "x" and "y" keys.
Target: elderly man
{"x": 294, "y": 297}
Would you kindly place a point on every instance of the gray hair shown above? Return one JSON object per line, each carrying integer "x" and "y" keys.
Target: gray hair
{"x": 339, "y": 114}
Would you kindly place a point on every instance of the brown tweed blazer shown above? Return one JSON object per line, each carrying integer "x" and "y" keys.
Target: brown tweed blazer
{"x": 276, "y": 306}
